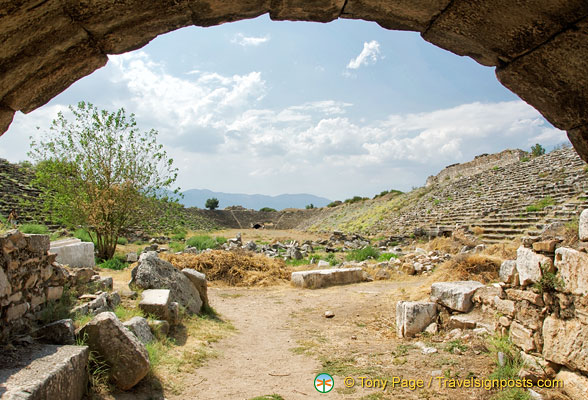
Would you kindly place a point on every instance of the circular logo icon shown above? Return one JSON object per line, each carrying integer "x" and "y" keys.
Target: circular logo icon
{"x": 324, "y": 383}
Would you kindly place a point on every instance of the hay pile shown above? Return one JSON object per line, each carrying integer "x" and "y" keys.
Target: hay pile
{"x": 464, "y": 267}
{"x": 235, "y": 268}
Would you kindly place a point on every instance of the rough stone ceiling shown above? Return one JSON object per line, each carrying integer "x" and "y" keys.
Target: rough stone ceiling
{"x": 539, "y": 47}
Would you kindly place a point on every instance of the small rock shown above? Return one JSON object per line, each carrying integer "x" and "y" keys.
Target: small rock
{"x": 329, "y": 314}
{"x": 436, "y": 372}
{"x": 432, "y": 329}
{"x": 501, "y": 360}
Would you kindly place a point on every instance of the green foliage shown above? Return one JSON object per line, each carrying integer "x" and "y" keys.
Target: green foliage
{"x": 495, "y": 168}
{"x": 59, "y": 309}
{"x": 355, "y": 199}
{"x": 331, "y": 259}
{"x": 124, "y": 314}
{"x": 537, "y": 150}
{"x": 212, "y": 203}
{"x": 541, "y": 204}
{"x": 267, "y": 209}
{"x": 549, "y": 282}
{"x": 100, "y": 172}
{"x": 204, "y": 242}
{"x": 83, "y": 235}
{"x": 363, "y": 254}
{"x": 179, "y": 233}
{"x": 436, "y": 202}
{"x": 512, "y": 394}
{"x": 122, "y": 240}
{"x": 525, "y": 159}
{"x": 34, "y": 229}
{"x": 268, "y": 397}
{"x": 386, "y": 256}
{"x": 335, "y": 203}
{"x": 455, "y": 344}
{"x": 310, "y": 206}
{"x": 117, "y": 263}
{"x": 177, "y": 246}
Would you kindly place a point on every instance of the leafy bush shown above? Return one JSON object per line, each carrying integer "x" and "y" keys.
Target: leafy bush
{"x": 122, "y": 240}
{"x": 204, "y": 242}
{"x": 355, "y": 199}
{"x": 335, "y": 203}
{"x": 331, "y": 259}
{"x": 34, "y": 229}
{"x": 117, "y": 263}
{"x": 179, "y": 234}
{"x": 267, "y": 209}
{"x": 363, "y": 254}
{"x": 310, "y": 206}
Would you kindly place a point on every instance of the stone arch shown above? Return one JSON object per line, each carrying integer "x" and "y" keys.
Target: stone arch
{"x": 539, "y": 48}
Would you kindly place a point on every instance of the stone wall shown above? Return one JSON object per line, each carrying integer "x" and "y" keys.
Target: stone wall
{"x": 479, "y": 164}
{"x": 245, "y": 219}
{"x": 28, "y": 280}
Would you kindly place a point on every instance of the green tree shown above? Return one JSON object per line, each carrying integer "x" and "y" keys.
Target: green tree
{"x": 211, "y": 203}
{"x": 310, "y": 206}
{"x": 537, "y": 150}
{"x": 101, "y": 172}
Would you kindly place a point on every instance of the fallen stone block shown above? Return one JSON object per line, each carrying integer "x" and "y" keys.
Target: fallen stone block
{"x": 546, "y": 246}
{"x": 505, "y": 307}
{"x": 531, "y": 265}
{"x": 486, "y": 294}
{"x": 583, "y": 226}
{"x": 321, "y": 278}
{"x": 58, "y": 332}
{"x": 522, "y": 337}
{"x": 531, "y": 297}
{"x": 572, "y": 266}
{"x": 49, "y": 372}
{"x": 141, "y": 329}
{"x": 132, "y": 257}
{"x": 413, "y": 317}
{"x": 463, "y": 321}
{"x": 156, "y": 302}
{"x": 119, "y": 347}
{"x": 574, "y": 385}
{"x": 455, "y": 295}
{"x": 154, "y": 273}
{"x": 74, "y": 252}
{"x": 508, "y": 272}
{"x": 198, "y": 279}
{"x": 564, "y": 342}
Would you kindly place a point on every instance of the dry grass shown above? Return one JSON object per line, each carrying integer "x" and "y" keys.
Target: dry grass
{"x": 235, "y": 268}
{"x": 504, "y": 251}
{"x": 477, "y": 230}
{"x": 477, "y": 267}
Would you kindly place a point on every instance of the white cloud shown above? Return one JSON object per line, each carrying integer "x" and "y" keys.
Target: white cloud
{"x": 369, "y": 55}
{"x": 246, "y": 41}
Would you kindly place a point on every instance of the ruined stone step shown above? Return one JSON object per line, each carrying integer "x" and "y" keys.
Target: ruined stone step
{"x": 46, "y": 372}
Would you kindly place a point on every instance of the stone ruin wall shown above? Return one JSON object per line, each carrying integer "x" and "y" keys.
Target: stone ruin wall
{"x": 479, "y": 164}
{"x": 28, "y": 280}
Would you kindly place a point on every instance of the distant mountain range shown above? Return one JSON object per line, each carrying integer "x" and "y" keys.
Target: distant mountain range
{"x": 197, "y": 198}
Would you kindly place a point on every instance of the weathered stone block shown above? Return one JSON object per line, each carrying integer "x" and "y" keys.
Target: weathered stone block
{"x": 574, "y": 385}
{"x": 462, "y": 321}
{"x": 74, "y": 252}
{"x": 156, "y": 302}
{"x": 546, "y": 246}
{"x": 522, "y": 337}
{"x": 583, "y": 226}
{"x": 5, "y": 287}
{"x": 58, "y": 332}
{"x": 120, "y": 348}
{"x": 141, "y": 329}
{"x": 38, "y": 244}
{"x": 486, "y": 294}
{"x": 531, "y": 297}
{"x": 326, "y": 277}
{"x": 455, "y": 295}
{"x": 508, "y": 272}
{"x": 530, "y": 266}
{"x": 16, "y": 311}
{"x": 573, "y": 270}
{"x": 51, "y": 372}
{"x": 198, "y": 279}
{"x": 413, "y": 317}
{"x": 154, "y": 273}
{"x": 564, "y": 342}
{"x": 505, "y": 307}
{"x": 528, "y": 315}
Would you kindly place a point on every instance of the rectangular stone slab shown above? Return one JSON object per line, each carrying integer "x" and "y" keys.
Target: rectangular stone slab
{"x": 156, "y": 302}
{"x": 74, "y": 254}
{"x": 49, "y": 372}
{"x": 321, "y": 278}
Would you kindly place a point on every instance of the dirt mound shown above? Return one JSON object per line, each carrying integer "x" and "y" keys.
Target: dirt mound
{"x": 235, "y": 268}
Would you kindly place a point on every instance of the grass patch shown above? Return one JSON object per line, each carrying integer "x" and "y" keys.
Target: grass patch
{"x": 386, "y": 256}
{"x": 510, "y": 370}
{"x": 541, "y": 204}
{"x": 269, "y": 397}
{"x": 116, "y": 263}
{"x": 346, "y": 367}
{"x": 177, "y": 246}
{"x": 36, "y": 229}
{"x": 122, "y": 241}
{"x": 124, "y": 314}
{"x": 455, "y": 345}
{"x": 203, "y": 242}
{"x": 83, "y": 235}
{"x": 363, "y": 254}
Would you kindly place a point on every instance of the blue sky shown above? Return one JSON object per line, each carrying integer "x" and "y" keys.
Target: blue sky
{"x": 339, "y": 109}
